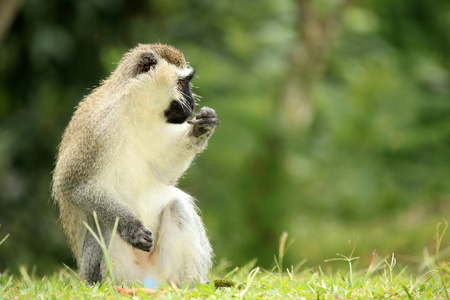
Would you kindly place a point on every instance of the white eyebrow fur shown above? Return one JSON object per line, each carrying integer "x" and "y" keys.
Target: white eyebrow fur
{"x": 186, "y": 71}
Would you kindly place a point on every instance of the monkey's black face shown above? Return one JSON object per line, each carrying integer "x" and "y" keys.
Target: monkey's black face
{"x": 179, "y": 111}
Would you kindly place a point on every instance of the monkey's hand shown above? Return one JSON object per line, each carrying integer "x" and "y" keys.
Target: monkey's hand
{"x": 205, "y": 121}
{"x": 137, "y": 235}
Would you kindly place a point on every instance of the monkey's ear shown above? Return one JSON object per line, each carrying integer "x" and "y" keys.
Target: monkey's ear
{"x": 147, "y": 62}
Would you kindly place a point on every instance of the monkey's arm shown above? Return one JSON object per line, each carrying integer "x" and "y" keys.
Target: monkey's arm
{"x": 189, "y": 139}
{"x": 91, "y": 198}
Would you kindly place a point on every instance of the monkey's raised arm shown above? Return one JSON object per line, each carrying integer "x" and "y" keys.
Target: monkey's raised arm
{"x": 182, "y": 142}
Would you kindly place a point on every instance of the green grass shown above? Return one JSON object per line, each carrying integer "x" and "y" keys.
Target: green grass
{"x": 383, "y": 283}
{"x": 381, "y": 278}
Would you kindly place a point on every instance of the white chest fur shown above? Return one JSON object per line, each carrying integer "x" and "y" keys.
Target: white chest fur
{"x": 146, "y": 164}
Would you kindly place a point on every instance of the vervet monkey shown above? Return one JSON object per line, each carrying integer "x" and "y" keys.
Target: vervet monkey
{"x": 126, "y": 146}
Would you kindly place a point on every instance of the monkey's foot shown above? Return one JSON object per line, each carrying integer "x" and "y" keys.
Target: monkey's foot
{"x": 205, "y": 121}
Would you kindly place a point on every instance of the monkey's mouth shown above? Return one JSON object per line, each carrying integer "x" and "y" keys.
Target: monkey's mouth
{"x": 178, "y": 112}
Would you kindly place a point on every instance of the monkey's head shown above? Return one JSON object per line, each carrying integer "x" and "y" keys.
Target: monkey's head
{"x": 158, "y": 80}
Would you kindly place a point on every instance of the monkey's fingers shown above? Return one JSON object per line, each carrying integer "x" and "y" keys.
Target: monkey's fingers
{"x": 204, "y": 126}
{"x": 141, "y": 238}
{"x": 206, "y": 112}
{"x": 207, "y": 124}
{"x": 213, "y": 121}
{"x": 193, "y": 121}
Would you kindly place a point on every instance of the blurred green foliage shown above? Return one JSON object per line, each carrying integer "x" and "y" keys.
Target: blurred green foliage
{"x": 372, "y": 159}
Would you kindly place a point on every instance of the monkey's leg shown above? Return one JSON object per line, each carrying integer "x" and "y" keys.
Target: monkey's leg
{"x": 92, "y": 264}
{"x": 183, "y": 250}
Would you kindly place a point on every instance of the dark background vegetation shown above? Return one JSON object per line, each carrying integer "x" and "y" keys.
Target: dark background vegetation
{"x": 335, "y": 119}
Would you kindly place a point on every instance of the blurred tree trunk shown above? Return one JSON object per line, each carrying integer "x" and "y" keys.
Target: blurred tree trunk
{"x": 309, "y": 59}
{"x": 8, "y": 12}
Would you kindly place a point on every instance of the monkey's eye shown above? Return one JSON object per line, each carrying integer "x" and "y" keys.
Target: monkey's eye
{"x": 146, "y": 63}
{"x": 185, "y": 81}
